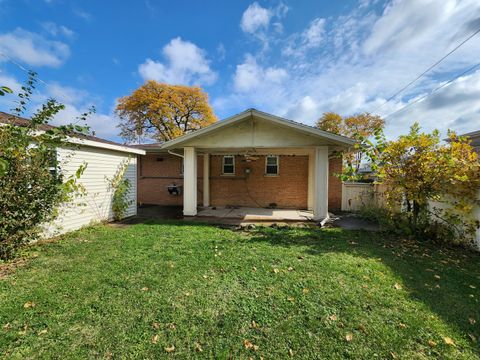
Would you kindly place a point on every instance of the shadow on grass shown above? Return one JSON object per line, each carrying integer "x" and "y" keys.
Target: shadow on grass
{"x": 455, "y": 301}
{"x": 454, "y": 296}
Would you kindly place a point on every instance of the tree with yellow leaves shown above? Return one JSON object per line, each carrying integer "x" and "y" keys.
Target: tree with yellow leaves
{"x": 163, "y": 112}
{"x": 436, "y": 183}
{"x": 364, "y": 128}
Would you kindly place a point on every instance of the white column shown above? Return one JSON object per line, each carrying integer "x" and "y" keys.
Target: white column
{"x": 189, "y": 181}
{"x": 311, "y": 179}
{"x": 206, "y": 180}
{"x": 320, "y": 201}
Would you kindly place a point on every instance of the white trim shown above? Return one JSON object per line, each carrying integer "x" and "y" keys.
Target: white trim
{"x": 101, "y": 145}
{"x": 337, "y": 139}
{"x": 223, "y": 164}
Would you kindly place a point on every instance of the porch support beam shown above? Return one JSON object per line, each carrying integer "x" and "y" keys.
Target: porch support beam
{"x": 206, "y": 180}
{"x": 311, "y": 180}
{"x": 320, "y": 201}
{"x": 189, "y": 181}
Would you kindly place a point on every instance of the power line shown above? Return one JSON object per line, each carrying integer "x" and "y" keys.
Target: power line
{"x": 433, "y": 91}
{"x": 20, "y": 66}
{"x": 426, "y": 71}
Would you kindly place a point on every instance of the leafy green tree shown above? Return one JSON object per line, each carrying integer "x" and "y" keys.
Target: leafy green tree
{"x": 32, "y": 183}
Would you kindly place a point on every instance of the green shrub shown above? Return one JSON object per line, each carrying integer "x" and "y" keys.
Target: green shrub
{"x": 31, "y": 181}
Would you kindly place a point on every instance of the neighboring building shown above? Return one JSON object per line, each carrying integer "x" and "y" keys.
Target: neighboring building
{"x": 252, "y": 159}
{"x": 474, "y": 138}
{"x": 103, "y": 159}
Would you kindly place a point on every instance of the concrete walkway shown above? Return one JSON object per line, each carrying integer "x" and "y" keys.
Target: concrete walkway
{"x": 256, "y": 214}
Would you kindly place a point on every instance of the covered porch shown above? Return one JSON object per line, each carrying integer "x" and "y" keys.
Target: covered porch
{"x": 251, "y": 138}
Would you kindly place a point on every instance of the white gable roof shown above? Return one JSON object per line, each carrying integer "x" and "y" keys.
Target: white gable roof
{"x": 253, "y": 128}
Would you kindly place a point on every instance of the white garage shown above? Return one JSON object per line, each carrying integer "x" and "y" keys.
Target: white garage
{"x": 103, "y": 160}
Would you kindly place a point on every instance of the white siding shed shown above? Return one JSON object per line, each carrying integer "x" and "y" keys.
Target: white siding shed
{"x": 103, "y": 161}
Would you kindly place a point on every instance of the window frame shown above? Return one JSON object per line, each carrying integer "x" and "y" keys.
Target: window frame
{"x": 232, "y": 164}
{"x": 277, "y": 157}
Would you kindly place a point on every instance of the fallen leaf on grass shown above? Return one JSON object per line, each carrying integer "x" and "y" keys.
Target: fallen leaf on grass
{"x": 402, "y": 325}
{"x": 333, "y": 317}
{"x": 472, "y": 286}
{"x": 437, "y": 277}
{"x": 449, "y": 341}
{"x": 170, "y": 349}
{"x": 144, "y": 289}
{"x": 472, "y": 337}
{"x": 472, "y": 321}
{"x": 156, "y": 325}
{"x": 254, "y": 268}
{"x": 254, "y": 324}
{"x": 6, "y": 326}
{"x": 154, "y": 339}
{"x": 29, "y": 304}
{"x": 362, "y": 328}
{"x": 249, "y": 346}
{"x": 306, "y": 290}
{"x": 42, "y": 332}
{"x": 291, "y": 299}
{"x": 205, "y": 276}
{"x": 171, "y": 326}
{"x": 290, "y": 352}
{"x": 432, "y": 343}
{"x": 290, "y": 268}
{"x": 198, "y": 348}
{"x": 397, "y": 286}
{"x": 275, "y": 270}
{"x": 349, "y": 337}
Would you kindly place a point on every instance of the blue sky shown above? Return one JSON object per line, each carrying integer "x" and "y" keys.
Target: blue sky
{"x": 296, "y": 59}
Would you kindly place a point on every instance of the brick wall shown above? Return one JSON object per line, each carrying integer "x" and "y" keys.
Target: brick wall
{"x": 156, "y": 172}
{"x": 288, "y": 190}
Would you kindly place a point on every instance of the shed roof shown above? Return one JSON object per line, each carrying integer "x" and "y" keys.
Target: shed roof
{"x": 82, "y": 139}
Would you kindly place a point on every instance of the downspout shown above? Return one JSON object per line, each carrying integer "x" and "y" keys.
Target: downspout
{"x": 174, "y": 153}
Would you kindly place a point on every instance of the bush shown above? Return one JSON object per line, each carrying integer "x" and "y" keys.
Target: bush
{"x": 31, "y": 181}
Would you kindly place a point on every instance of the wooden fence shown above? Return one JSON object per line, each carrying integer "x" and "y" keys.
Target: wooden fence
{"x": 355, "y": 196}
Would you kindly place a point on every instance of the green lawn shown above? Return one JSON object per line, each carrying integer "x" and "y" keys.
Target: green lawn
{"x": 169, "y": 289}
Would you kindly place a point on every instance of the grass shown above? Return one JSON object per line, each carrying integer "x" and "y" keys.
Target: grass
{"x": 169, "y": 289}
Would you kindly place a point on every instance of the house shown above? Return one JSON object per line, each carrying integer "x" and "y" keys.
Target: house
{"x": 474, "y": 138}
{"x": 103, "y": 159}
{"x": 252, "y": 159}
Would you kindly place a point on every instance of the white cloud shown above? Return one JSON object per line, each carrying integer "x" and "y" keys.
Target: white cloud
{"x": 310, "y": 38}
{"x": 33, "y": 49}
{"x": 185, "y": 63}
{"x": 358, "y": 59}
{"x": 57, "y": 30}
{"x": 249, "y": 76}
{"x": 82, "y": 14}
{"x": 255, "y": 18}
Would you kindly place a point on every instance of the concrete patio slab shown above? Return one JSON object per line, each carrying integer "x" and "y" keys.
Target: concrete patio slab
{"x": 256, "y": 214}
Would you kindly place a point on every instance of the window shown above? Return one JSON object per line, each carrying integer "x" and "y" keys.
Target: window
{"x": 271, "y": 165}
{"x": 229, "y": 165}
